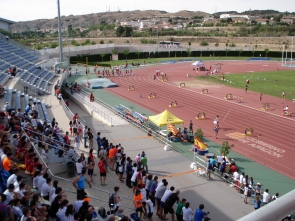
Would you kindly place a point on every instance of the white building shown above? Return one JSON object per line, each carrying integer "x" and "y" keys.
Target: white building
{"x": 6, "y": 24}
{"x": 225, "y": 16}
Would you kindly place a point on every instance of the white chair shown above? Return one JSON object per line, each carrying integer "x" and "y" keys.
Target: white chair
{"x": 202, "y": 172}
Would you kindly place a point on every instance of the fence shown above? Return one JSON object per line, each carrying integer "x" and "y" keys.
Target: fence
{"x": 105, "y": 194}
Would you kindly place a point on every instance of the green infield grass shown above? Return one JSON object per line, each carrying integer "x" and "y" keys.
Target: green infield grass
{"x": 271, "y": 83}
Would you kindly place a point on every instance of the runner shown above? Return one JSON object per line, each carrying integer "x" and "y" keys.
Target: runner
{"x": 283, "y": 95}
{"x": 155, "y": 77}
{"x": 260, "y": 98}
{"x": 246, "y": 88}
{"x": 216, "y": 129}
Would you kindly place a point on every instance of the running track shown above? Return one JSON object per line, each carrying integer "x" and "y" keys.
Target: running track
{"x": 273, "y": 148}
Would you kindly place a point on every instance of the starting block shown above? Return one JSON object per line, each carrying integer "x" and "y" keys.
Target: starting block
{"x": 266, "y": 106}
{"x": 249, "y": 131}
{"x": 286, "y": 113}
{"x": 173, "y": 104}
{"x": 205, "y": 91}
{"x": 201, "y": 116}
{"x": 182, "y": 85}
{"x": 152, "y": 95}
{"x": 131, "y": 88}
{"x": 228, "y": 97}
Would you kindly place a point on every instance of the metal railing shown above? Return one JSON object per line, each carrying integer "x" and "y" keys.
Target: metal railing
{"x": 106, "y": 193}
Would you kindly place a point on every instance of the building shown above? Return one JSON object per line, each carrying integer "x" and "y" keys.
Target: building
{"x": 6, "y": 24}
{"x": 288, "y": 20}
{"x": 225, "y": 16}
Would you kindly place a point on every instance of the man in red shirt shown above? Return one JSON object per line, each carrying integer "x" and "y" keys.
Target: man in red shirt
{"x": 103, "y": 171}
{"x": 233, "y": 168}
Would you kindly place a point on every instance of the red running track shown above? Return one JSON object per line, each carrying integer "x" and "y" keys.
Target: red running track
{"x": 274, "y": 146}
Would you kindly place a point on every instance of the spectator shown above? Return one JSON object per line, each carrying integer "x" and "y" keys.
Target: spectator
{"x": 16, "y": 209}
{"x": 102, "y": 170}
{"x": 26, "y": 214}
{"x": 55, "y": 205}
{"x": 61, "y": 213}
{"x": 41, "y": 180}
{"x": 7, "y": 165}
{"x": 116, "y": 199}
{"x": 13, "y": 177}
{"x": 45, "y": 189}
{"x": 79, "y": 166}
{"x": 77, "y": 139}
{"x": 179, "y": 213}
{"x": 236, "y": 179}
{"x": 257, "y": 202}
{"x": 266, "y": 197}
{"x": 164, "y": 198}
{"x": 137, "y": 200}
{"x": 90, "y": 138}
{"x": 53, "y": 188}
{"x": 4, "y": 209}
{"x": 158, "y": 195}
{"x": 258, "y": 189}
{"x": 78, "y": 203}
{"x": 76, "y": 216}
{"x": 172, "y": 199}
{"x": 150, "y": 207}
{"x": 90, "y": 164}
{"x": 143, "y": 161}
{"x": 148, "y": 184}
{"x": 79, "y": 183}
{"x": 246, "y": 193}
{"x": 85, "y": 135}
{"x": 9, "y": 194}
{"x": 187, "y": 212}
{"x": 153, "y": 188}
{"x": 98, "y": 140}
{"x": 199, "y": 214}
{"x": 129, "y": 173}
{"x": 58, "y": 191}
{"x": 274, "y": 197}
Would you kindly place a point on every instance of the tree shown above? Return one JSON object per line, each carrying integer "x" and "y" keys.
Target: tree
{"x": 114, "y": 51}
{"x": 199, "y": 134}
{"x": 226, "y": 51}
{"x": 188, "y": 51}
{"x": 204, "y": 43}
{"x": 120, "y": 31}
{"x": 266, "y": 50}
{"x": 229, "y": 20}
{"x": 240, "y": 51}
{"x": 253, "y": 52}
{"x": 138, "y": 52}
{"x": 102, "y": 55}
{"x": 126, "y": 52}
{"x": 189, "y": 43}
{"x": 225, "y": 148}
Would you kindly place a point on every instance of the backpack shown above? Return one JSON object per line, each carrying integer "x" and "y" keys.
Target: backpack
{"x": 112, "y": 200}
{"x": 102, "y": 212}
{"x": 134, "y": 217}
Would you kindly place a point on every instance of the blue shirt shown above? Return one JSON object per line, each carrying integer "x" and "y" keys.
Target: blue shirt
{"x": 212, "y": 161}
{"x": 199, "y": 215}
{"x": 98, "y": 140}
{"x": 28, "y": 109}
{"x": 81, "y": 183}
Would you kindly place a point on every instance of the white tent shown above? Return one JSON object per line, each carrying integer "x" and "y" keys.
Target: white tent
{"x": 198, "y": 63}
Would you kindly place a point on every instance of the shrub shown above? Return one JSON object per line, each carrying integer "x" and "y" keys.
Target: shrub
{"x": 204, "y": 43}
{"x": 101, "y": 42}
{"x": 143, "y": 41}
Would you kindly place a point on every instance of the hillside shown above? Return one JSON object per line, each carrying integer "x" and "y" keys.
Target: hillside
{"x": 84, "y": 21}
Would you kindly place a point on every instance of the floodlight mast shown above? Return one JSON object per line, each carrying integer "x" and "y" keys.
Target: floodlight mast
{"x": 59, "y": 32}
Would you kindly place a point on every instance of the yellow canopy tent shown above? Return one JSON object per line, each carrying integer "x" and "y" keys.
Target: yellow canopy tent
{"x": 164, "y": 118}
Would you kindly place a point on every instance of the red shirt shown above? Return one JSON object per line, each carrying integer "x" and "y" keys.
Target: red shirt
{"x": 233, "y": 168}
{"x": 101, "y": 167}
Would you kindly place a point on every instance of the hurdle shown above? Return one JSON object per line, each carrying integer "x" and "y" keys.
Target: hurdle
{"x": 228, "y": 97}
{"x": 182, "y": 85}
{"x": 152, "y": 95}
{"x": 205, "y": 91}
{"x": 173, "y": 104}
{"x": 248, "y": 131}
{"x": 201, "y": 116}
{"x": 131, "y": 88}
{"x": 265, "y": 107}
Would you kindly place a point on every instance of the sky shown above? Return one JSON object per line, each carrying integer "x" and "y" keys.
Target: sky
{"x": 26, "y": 10}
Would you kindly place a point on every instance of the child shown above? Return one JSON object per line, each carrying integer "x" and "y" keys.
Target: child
{"x": 150, "y": 208}
{"x": 246, "y": 193}
{"x": 78, "y": 140}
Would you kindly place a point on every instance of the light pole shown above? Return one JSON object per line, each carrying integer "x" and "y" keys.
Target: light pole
{"x": 68, "y": 60}
{"x": 59, "y": 32}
